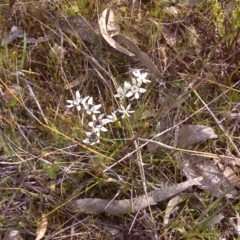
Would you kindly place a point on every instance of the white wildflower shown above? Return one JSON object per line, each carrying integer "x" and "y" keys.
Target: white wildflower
{"x": 77, "y": 102}
{"x": 125, "y": 111}
{"x": 141, "y": 76}
{"x": 112, "y": 117}
{"x": 121, "y": 92}
{"x": 92, "y": 137}
{"x": 98, "y": 123}
{"x": 134, "y": 89}
{"x": 90, "y": 108}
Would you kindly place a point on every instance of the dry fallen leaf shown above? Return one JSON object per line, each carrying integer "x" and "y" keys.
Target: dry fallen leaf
{"x": 90, "y": 32}
{"x": 172, "y": 205}
{"x": 104, "y": 24}
{"x": 119, "y": 207}
{"x": 194, "y": 166}
{"x": 112, "y": 27}
{"x": 42, "y": 228}
{"x": 228, "y": 173}
{"x": 15, "y": 32}
{"x": 169, "y": 37}
{"x": 213, "y": 179}
{"x": 80, "y": 27}
{"x": 191, "y": 134}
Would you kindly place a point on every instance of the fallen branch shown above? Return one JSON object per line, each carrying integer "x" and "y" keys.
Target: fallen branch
{"x": 118, "y": 207}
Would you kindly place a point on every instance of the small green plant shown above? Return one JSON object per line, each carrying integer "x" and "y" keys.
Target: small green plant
{"x": 129, "y": 90}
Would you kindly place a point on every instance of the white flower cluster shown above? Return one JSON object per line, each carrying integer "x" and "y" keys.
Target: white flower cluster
{"x": 135, "y": 88}
{"x": 98, "y": 122}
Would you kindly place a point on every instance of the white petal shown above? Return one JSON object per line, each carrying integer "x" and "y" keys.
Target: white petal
{"x": 123, "y": 114}
{"x": 98, "y": 133}
{"x": 94, "y": 118}
{"x": 105, "y": 121}
{"x": 90, "y": 124}
{"x": 84, "y": 100}
{"x": 75, "y": 102}
{"x": 120, "y": 90}
{"x": 96, "y": 130}
{"x": 134, "y": 81}
{"x": 139, "y": 83}
{"x": 136, "y": 95}
{"x": 136, "y": 73}
{"x": 129, "y": 94}
{"x": 90, "y": 100}
{"x": 89, "y": 112}
{"x": 96, "y": 111}
{"x": 127, "y": 110}
{"x": 122, "y": 110}
{"x": 127, "y": 85}
{"x": 120, "y": 93}
{"x": 112, "y": 118}
{"x": 88, "y": 134}
{"x": 79, "y": 108}
{"x": 144, "y": 75}
{"x": 78, "y": 95}
{"x": 128, "y": 107}
{"x": 101, "y": 116}
{"x": 69, "y": 106}
{"x": 86, "y": 141}
{"x": 70, "y": 101}
{"x": 96, "y": 107}
{"x": 103, "y": 129}
{"x": 146, "y": 81}
{"x": 142, "y": 90}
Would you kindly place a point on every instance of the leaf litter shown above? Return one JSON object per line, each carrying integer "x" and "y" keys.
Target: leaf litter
{"x": 190, "y": 135}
